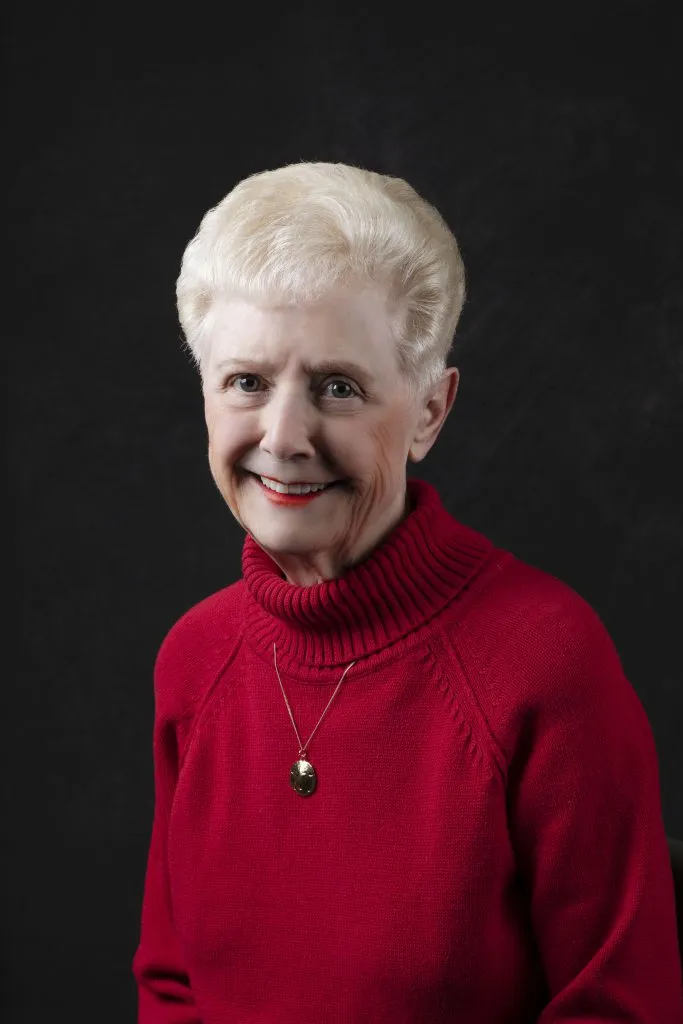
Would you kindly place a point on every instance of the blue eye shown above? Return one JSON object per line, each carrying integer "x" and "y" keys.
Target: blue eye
{"x": 244, "y": 376}
{"x": 345, "y": 384}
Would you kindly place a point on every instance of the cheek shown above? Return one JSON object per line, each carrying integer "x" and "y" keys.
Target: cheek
{"x": 224, "y": 452}
{"x": 382, "y": 460}
{"x": 387, "y": 442}
{"x": 224, "y": 440}
{"x": 379, "y": 441}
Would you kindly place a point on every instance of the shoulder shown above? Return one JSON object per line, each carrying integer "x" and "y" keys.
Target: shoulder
{"x": 196, "y": 649}
{"x": 527, "y": 607}
{"x": 536, "y": 656}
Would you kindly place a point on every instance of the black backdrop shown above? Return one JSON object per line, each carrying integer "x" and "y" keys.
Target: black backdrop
{"x": 552, "y": 144}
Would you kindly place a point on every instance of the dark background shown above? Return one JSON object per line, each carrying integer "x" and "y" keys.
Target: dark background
{"x": 552, "y": 145}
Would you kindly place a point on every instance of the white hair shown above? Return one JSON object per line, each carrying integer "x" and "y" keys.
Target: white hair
{"x": 293, "y": 234}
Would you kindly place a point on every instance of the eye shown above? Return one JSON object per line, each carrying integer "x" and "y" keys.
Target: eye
{"x": 244, "y": 376}
{"x": 351, "y": 392}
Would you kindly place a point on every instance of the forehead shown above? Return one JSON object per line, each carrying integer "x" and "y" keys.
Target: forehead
{"x": 343, "y": 325}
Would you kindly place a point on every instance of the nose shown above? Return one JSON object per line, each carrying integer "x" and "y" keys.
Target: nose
{"x": 287, "y": 426}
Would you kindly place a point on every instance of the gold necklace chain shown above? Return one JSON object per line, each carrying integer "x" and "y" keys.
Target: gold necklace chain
{"x": 302, "y": 776}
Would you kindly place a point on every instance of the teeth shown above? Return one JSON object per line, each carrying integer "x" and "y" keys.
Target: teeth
{"x": 291, "y": 488}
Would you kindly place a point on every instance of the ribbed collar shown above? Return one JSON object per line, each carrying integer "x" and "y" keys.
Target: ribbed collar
{"x": 419, "y": 568}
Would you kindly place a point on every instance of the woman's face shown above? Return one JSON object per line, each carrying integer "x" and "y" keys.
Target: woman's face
{"x": 313, "y": 394}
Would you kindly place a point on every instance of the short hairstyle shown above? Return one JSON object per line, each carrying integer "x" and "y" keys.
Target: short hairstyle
{"x": 292, "y": 234}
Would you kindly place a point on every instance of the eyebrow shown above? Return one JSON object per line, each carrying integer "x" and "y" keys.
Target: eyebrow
{"x": 349, "y": 369}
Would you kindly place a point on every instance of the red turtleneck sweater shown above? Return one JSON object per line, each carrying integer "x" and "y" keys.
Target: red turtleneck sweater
{"x": 485, "y": 844}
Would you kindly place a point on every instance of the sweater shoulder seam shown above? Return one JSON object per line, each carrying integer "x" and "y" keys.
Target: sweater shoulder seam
{"x": 190, "y": 636}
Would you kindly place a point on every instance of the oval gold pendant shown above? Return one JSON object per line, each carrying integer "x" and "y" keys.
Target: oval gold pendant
{"x": 302, "y": 778}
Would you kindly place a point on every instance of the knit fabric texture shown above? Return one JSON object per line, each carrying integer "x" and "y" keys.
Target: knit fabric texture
{"x": 485, "y": 844}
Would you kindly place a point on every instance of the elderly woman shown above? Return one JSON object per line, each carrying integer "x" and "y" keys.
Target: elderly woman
{"x": 400, "y": 775}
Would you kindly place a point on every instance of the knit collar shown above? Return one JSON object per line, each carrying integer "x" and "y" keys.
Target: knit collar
{"x": 418, "y": 569}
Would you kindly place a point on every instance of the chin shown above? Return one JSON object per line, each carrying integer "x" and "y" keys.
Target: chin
{"x": 284, "y": 542}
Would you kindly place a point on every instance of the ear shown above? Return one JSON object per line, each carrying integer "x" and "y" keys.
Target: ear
{"x": 435, "y": 407}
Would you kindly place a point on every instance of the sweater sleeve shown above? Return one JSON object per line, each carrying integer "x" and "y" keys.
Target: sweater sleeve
{"x": 587, "y": 829}
{"x": 188, "y": 665}
{"x": 164, "y": 988}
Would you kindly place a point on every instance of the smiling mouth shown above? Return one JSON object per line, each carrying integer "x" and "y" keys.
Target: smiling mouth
{"x": 302, "y": 483}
